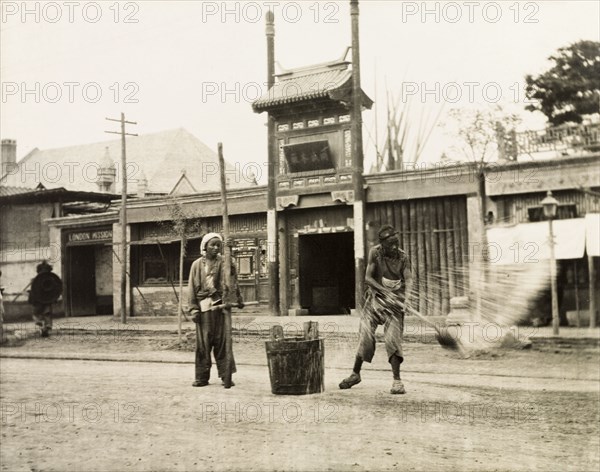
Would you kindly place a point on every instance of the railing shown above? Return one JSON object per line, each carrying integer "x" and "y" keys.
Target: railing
{"x": 560, "y": 138}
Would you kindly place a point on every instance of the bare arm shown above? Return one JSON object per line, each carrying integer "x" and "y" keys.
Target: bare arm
{"x": 408, "y": 280}
{"x": 370, "y": 272}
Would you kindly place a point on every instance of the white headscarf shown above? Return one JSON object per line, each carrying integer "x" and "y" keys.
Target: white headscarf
{"x": 206, "y": 239}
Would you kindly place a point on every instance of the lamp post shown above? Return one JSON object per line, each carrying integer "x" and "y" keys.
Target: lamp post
{"x": 550, "y": 205}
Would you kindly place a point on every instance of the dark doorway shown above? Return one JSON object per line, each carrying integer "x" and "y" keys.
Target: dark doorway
{"x": 82, "y": 280}
{"x": 326, "y": 263}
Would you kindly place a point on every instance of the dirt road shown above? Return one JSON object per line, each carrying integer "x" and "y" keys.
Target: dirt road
{"x": 61, "y": 414}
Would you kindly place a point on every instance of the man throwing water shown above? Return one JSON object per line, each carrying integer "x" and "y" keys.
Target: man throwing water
{"x": 389, "y": 283}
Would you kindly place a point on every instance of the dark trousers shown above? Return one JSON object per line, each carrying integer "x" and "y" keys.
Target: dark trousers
{"x": 210, "y": 337}
{"x": 393, "y": 329}
{"x": 42, "y": 315}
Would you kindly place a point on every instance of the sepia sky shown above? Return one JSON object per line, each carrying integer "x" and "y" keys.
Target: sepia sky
{"x": 65, "y": 66}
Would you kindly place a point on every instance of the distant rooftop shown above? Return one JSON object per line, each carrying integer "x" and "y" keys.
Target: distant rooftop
{"x": 325, "y": 80}
{"x": 159, "y": 157}
{"x": 6, "y": 191}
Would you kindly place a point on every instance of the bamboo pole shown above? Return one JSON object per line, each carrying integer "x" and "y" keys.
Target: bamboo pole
{"x": 592, "y": 290}
{"x": 464, "y": 247}
{"x": 389, "y": 215}
{"x": 427, "y": 247}
{"x": 449, "y": 238}
{"x": 419, "y": 227}
{"x": 180, "y": 304}
{"x": 226, "y": 274}
{"x": 456, "y": 238}
{"x": 576, "y": 293}
{"x": 405, "y": 230}
{"x": 445, "y": 267}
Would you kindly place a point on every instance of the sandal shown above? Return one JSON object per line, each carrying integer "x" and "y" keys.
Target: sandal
{"x": 350, "y": 381}
{"x": 397, "y": 388}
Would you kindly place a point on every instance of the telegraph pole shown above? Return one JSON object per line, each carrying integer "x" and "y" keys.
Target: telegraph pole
{"x": 123, "y": 212}
{"x": 273, "y": 169}
{"x": 357, "y": 160}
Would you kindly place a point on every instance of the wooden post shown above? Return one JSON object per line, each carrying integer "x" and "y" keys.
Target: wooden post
{"x": 226, "y": 273}
{"x": 555, "y": 320}
{"x": 311, "y": 330}
{"x": 357, "y": 160}
{"x": 592, "y": 279}
{"x": 284, "y": 266}
{"x": 576, "y": 293}
{"x": 123, "y": 216}
{"x": 180, "y": 301}
{"x": 276, "y": 333}
{"x": 272, "y": 170}
{"x": 123, "y": 224}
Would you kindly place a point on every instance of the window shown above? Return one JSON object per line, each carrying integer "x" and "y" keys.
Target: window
{"x": 245, "y": 266}
{"x": 160, "y": 264}
{"x": 563, "y": 212}
{"x": 308, "y": 156}
{"x": 154, "y": 272}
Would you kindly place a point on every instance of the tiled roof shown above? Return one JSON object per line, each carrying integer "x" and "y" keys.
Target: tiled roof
{"x": 160, "y": 156}
{"x": 331, "y": 80}
{"x": 56, "y": 195}
{"x": 6, "y": 191}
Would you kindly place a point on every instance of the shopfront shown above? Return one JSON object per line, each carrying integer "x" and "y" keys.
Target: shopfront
{"x": 89, "y": 271}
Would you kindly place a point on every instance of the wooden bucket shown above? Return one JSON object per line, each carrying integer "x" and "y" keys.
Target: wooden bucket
{"x": 296, "y": 365}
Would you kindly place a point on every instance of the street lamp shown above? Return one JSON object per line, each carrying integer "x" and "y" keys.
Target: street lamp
{"x": 550, "y": 205}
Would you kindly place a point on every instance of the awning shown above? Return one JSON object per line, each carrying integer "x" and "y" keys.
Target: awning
{"x": 145, "y": 242}
{"x": 529, "y": 242}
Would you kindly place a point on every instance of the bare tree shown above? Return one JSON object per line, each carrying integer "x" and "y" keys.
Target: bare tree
{"x": 182, "y": 223}
{"x": 480, "y": 136}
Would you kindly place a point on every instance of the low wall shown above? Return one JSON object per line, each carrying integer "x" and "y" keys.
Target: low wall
{"x": 23, "y": 311}
{"x": 157, "y": 301}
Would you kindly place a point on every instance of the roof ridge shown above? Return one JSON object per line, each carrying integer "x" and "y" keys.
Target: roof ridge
{"x": 310, "y": 71}
{"x": 315, "y": 73}
{"x": 117, "y": 140}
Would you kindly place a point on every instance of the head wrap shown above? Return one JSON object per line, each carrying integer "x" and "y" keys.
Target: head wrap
{"x": 206, "y": 239}
{"x": 385, "y": 232}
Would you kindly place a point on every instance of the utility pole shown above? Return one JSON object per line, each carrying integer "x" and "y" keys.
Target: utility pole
{"x": 123, "y": 212}
{"x": 357, "y": 160}
{"x": 273, "y": 169}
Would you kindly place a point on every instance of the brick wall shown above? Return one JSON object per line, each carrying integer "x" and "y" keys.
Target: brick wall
{"x": 159, "y": 301}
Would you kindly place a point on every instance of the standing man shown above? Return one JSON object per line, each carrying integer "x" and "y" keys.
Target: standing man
{"x": 205, "y": 291}
{"x": 389, "y": 281}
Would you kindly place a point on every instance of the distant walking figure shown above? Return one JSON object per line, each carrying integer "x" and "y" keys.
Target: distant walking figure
{"x": 46, "y": 288}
